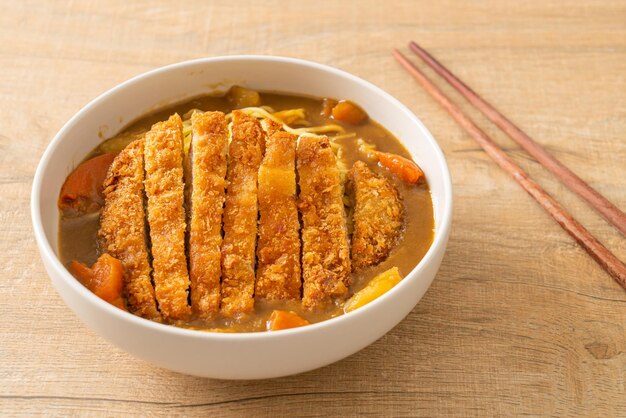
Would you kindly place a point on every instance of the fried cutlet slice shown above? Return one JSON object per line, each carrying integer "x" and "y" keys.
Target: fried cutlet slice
{"x": 166, "y": 216}
{"x": 122, "y": 231}
{"x": 208, "y": 150}
{"x": 240, "y": 215}
{"x": 377, "y": 215}
{"x": 278, "y": 248}
{"x": 270, "y": 126}
{"x": 325, "y": 251}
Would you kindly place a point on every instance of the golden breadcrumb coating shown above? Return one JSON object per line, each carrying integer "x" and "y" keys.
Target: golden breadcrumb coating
{"x": 240, "y": 215}
{"x": 377, "y": 216}
{"x": 166, "y": 216}
{"x": 270, "y": 127}
{"x": 122, "y": 231}
{"x": 325, "y": 251}
{"x": 208, "y": 150}
{"x": 278, "y": 248}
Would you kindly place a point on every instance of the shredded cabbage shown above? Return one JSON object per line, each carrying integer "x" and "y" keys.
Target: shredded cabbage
{"x": 263, "y": 113}
{"x": 292, "y": 117}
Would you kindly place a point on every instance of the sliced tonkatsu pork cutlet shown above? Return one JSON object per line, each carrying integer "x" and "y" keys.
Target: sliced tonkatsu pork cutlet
{"x": 270, "y": 127}
{"x": 166, "y": 216}
{"x": 240, "y": 215}
{"x": 325, "y": 251}
{"x": 278, "y": 248}
{"x": 122, "y": 231}
{"x": 377, "y": 216}
{"x": 208, "y": 151}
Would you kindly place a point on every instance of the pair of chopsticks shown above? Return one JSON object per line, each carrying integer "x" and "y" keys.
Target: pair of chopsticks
{"x": 605, "y": 258}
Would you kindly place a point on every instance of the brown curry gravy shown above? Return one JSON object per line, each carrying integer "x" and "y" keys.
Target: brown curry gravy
{"x": 77, "y": 235}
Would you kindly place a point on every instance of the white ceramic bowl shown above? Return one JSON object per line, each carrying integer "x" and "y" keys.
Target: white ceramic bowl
{"x": 236, "y": 356}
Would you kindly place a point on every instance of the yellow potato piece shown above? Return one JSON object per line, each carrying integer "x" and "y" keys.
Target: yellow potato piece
{"x": 241, "y": 97}
{"x": 375, "y": 288}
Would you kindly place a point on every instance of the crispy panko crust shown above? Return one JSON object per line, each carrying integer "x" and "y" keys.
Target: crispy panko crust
{"x": 270, "y": 127}
{"x": 166, "y": 216}
{"x": 378, "y": 216}
{"x": 122, "y": 231}
{"x": 325, "y": 251}
{"x": 208, "y": 150}
{"x": 240, "y": 215}
{"x": 278, "y": 248}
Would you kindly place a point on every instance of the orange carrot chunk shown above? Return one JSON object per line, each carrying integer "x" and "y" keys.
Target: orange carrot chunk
{"x": 82, "y": 190}
{"x": 401, "y": 167}
{"x": 348, "y": 112}
{"x": 105, "y": 278}
{"x": 285, "y": 320}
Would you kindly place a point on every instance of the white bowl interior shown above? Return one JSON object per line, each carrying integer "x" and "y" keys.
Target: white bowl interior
{"x": 110, "y": 112}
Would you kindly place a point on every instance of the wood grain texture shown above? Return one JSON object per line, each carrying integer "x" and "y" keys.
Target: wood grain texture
{"x": 519, "y": 319}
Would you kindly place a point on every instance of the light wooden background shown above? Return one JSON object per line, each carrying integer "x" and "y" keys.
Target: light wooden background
{"x": 518, "y": 321}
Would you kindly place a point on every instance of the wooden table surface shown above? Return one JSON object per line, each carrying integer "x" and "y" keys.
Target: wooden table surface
{"x": 519, "y": 319}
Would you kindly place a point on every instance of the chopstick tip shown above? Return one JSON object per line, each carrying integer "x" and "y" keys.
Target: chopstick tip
{"x": 413, "y": 46}
{"x": 397, "y": 54}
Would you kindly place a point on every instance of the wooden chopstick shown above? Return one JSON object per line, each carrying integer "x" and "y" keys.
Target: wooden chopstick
{"x": 598, "y": 252}
{"x": 607, "y": 209}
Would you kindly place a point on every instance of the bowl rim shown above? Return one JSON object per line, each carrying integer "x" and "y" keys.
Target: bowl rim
{"x": 440, "y": 234}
